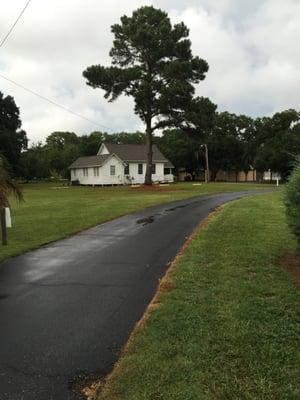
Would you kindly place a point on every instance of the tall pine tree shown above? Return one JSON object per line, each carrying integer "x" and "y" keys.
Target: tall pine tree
{"x": 152, "y": 61}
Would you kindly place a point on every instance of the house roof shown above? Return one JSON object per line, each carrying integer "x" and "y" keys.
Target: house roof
{"x": 136, "y": 152}
{"x": 90, "y": 161}
{"x": 126, "y": 152}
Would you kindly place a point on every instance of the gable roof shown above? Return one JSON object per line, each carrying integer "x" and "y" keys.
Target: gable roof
{"x": 90, "y": 161}
{"x": 135, "y": 152}
{"x": 125, "y": 152}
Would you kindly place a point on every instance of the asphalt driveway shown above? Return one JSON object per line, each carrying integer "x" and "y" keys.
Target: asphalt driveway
{"x": 67, "y": 308}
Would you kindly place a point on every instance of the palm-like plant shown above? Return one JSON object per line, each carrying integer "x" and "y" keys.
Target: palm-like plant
{"x": 8, "y": 187}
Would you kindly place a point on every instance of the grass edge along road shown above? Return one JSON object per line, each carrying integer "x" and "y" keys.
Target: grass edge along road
{"x": 223, "y": 324}
{"x": 51, "y": 211}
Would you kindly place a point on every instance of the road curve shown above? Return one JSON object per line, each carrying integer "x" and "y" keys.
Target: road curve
{"x": 67, "y": 308}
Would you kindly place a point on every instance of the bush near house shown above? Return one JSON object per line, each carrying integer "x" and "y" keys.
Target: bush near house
{"x": 292, "y": 201}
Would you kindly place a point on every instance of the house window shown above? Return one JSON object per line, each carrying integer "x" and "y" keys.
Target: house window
{"x": 74, "y": 172}
{"x": 126, "y": 169}
{"x": 167, "y": 171}
{"x": 112, "y": 170}
{"x": 96, "y": 171}
{"x": 153, "y": 169}
{"x": 85, "y": 172}
{"x": 140, "y": 169}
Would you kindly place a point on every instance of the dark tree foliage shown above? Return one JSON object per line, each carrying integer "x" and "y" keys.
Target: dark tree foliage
{"x": 35, "y": 162}
{"x": 126, "y": 138}
{"x": 228, "y": 137}
{"x": 89, "y": 144}
{"x": 13, "y": 140}
{"x": 41, "y": 161}
{"x": 180, "y": 149}
{"x": 152, "y": 62}
{"x": 278, "y": 140}
{"x": 199, "y": 118}
{"x": 61, "y": 139}
{"x": 61, "y": 149}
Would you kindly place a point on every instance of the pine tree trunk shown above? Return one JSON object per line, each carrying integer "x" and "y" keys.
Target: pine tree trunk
{"x": 3, "y": 226}
{"x": 148, "y": 176}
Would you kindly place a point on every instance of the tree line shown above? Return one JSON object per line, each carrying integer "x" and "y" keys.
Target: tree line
{"x": 238, "y": 143}
{"x": 235, "y": 143}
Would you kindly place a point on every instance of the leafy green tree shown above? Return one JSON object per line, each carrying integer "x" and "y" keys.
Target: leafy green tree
{"x": 12, "y": 139}
{"x": 126, "y": 138}
{"x": 246, "y": 135}
{"x": 62, "y": 139}
{"x": 224, "y": 144}
{"x": 89, "y": 144}
{"x": 62, "y": 149}
{"x": 180, "y": 149}
{"x": 34, "y": 162}
{"x": 152, "y": 62}
{"x": 278, "y": 142}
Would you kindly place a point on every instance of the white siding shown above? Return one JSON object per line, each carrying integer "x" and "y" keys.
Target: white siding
{"x": 118, "y": 178}
{"x": 103, "y": 150}
{"x": 105, "y": 178}
{"x": 133, "y": 173}
{"x": 157, "y": 177}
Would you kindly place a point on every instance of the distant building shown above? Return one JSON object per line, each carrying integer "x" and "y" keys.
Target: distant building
{"x": 120, "y": 164}
{"x": 271, "y": 176}
{"x": 231, "y": 176}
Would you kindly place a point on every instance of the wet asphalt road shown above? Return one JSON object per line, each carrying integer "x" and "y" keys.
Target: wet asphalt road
{"x": 67, "y": 308}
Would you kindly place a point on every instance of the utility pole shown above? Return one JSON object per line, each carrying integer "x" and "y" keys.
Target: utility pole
{"x": 206, "y": 163}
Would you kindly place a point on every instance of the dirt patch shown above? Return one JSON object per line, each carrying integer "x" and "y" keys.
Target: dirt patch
{"x": 154, "y": 188}
{"x": 86, "y": 387}
{"x": 291, "y": 264}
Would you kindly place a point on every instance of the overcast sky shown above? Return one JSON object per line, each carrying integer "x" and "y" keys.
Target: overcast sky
{"x": 251, "y": 46}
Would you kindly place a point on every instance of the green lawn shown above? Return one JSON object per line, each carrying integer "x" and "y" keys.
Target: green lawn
{"x": 51, "y": 212}
{"x": 224, "y": 324}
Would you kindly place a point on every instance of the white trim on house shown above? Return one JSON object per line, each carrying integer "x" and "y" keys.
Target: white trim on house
{"x": 102, "y": 150}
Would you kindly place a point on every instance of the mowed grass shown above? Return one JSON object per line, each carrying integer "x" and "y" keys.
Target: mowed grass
{"x": 225, "y": 324}
{"x": 51, "y": 211}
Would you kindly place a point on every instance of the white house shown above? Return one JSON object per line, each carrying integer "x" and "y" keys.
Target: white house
{"x": 120, "y": 164}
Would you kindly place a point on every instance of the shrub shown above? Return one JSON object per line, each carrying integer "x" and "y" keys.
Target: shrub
{"x": 292, "y": 201}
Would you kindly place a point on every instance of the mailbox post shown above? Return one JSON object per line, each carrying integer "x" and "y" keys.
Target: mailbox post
{"x": 3, "y": 226}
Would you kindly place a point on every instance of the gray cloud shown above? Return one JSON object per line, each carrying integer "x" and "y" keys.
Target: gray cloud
{"x": 251, "y": 47}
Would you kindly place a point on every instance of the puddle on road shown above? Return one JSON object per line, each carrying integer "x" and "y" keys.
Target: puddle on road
{"x": 146, "y": 221}
{"x": 175, "y": 208}
{"x": 150, "y": 220}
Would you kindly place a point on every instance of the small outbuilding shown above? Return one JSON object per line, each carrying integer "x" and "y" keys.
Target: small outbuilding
{"x": 120, "y": 164}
